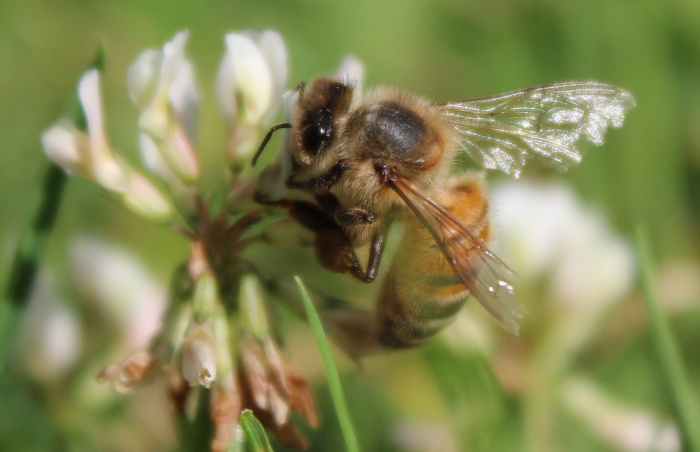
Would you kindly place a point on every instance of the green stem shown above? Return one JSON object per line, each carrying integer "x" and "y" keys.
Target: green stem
{"x": 33, "y": 239}
{"x": 254, "y": 432}
{"x": 32, "y": 242}
{"x": 674, "y": 377}
{"x": 30, "y": 250}
{"x": 336, "y": 388}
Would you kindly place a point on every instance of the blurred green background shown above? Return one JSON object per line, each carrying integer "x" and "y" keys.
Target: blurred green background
{"x": 648, "y": 172}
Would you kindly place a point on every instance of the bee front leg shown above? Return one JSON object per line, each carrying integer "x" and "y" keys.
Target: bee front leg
{"x": 322, "y": 183}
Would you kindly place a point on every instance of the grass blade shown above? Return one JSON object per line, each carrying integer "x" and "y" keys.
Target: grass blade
{"x": 32, "y": 242}
{"x": 33, "y": 239}
{"x": 254, "y": 433}
{"x": 674, "y": 377}
{"x": 331, "y": 371}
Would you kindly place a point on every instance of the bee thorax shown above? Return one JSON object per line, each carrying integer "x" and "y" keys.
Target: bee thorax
{"x": 394, "y": 132}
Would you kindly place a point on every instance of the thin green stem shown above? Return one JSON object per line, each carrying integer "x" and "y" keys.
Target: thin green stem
{"x": 254, "y": 433}
{"x": 33, "y": 240}
{"x": 674, "y": 377}
{"x": 336, "y": 388}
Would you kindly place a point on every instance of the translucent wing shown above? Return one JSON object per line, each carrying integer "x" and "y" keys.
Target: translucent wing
{"x": 481, "y": 271}
{"x": 545, "y": 122}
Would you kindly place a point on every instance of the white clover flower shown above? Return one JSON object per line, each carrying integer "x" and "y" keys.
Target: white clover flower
{"x": 621, "y": 427}
{"x": 352, "y": 71}
{"x": 89, "y": 155}
{"x": 214, "y": 294}
{"x": 249, "y": 85}
{"x": 543, "y": 229}
{"x": 121, "y": 287}
{"x": 555, "y": 243}
{"x": 575, "y": 270}
{"x": 162, "y": 85}
{"x": 49, "y": 339}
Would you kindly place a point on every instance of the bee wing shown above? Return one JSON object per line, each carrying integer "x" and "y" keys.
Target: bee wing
{"x": 477, "y": 267}
{"x": 545, "y": 122}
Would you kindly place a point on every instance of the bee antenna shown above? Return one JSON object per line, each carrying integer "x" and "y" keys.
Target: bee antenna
{"x": 273, "y": 129}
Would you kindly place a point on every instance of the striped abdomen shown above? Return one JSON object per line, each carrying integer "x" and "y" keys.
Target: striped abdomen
{"x": 421, "y": 293}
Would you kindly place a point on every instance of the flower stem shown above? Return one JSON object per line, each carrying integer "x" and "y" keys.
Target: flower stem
{"x": 30, "y": 249}
{"x": 32, "y": 242}
{"x": 33, "y": 239}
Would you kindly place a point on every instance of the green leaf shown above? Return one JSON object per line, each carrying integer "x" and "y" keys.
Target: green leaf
{"x": 674, "y": 377}
{"x": 254, "y": 433}
{"x": 331, "y": 371}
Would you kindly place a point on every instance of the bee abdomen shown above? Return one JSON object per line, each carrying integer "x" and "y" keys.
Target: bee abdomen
{"x": 411, "y": 312}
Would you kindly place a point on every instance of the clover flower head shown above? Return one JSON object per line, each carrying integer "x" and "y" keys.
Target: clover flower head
{"x": 215, "y": 334}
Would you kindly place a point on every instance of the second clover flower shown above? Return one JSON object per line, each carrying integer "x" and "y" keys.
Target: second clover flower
{"x": 250, "y": 83}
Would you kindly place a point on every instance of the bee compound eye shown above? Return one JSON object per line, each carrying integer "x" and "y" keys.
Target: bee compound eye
{"x": 317, "y": 133}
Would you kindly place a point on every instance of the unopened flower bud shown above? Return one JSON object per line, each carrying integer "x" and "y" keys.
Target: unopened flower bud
{"x": 252, "y": 305}
{"x": 206, "y": 297}
{"x": 199, "y": 356}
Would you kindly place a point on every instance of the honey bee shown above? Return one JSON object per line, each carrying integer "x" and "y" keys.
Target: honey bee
{"x": 367, "y": 160}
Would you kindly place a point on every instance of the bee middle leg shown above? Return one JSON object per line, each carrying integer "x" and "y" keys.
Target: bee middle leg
{"x": 350, "y": 217}
{"x": 334, "y": 251}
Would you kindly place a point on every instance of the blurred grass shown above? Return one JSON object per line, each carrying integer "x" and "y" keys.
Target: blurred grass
{"x": 676, "y": 384}
{"x": 648, "y": 171}
{"x": 34, "y": 238}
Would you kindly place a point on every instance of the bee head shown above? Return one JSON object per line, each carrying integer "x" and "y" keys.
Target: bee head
{"x": 321, "y": 106}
